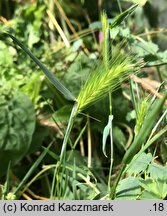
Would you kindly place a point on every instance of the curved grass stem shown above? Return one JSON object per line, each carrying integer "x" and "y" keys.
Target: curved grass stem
{"x": 68, "y": 130}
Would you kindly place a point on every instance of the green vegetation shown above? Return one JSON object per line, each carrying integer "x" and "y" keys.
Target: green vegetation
{"x": 83, "y": 100}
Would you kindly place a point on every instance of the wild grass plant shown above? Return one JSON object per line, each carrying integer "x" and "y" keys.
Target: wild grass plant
{"x": 69, "y": 176}
{"x": 102, "y": 80}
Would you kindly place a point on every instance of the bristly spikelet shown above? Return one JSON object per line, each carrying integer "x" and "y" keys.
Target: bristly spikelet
{"x": 103, "y": 80}
{"x": 105, "y": 40}
{"x": 143, "y": 106}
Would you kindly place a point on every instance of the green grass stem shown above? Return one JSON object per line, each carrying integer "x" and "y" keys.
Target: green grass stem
{"x": 31, "y": 170}
{"x": 139, "y": 139}
{"x": 68, "y": 130}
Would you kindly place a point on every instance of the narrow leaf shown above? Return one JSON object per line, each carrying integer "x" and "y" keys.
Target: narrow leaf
{"x": 145, "y": 130}
{"x": 6, "y": 185}
{"x": 120, "y": 18}
{"x": 31, "y": 170}
{"x": 59, "y": 86}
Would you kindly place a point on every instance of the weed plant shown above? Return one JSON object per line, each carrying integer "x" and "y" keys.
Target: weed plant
{"x": 71, "y": 175}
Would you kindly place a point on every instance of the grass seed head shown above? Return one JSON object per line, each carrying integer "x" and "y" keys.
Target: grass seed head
{"x": 103, "y": 80}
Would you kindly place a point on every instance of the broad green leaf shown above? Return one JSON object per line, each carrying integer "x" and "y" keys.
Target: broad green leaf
{"x": 140, "y": 2}
{"x": 58, "y": 85}
{"x": 149, "y": 195}
{"x": 157, "y": 171}
{"x": 154, "y": 189}
{"x": 140, "y": 164}
{"x": 128, "y": 189}
{"x": 17, "y": 124}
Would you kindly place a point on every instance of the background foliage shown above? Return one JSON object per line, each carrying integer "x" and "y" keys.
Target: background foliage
{"x": 66, "y": 37}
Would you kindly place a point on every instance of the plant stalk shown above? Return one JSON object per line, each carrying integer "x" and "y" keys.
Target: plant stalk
{"x": 68, "y": 130}
{"x": 139, "y": 140}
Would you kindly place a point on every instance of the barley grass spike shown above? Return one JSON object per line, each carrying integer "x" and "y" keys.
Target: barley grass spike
{"x": 103, "y": 80}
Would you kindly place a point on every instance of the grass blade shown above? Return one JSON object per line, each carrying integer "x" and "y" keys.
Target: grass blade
{"x": 145, "y": 130}
{"x": 31, "y": 170}
{"x": 139, "y": 139}
{"x": 58, "y": 85}
{"x": 120, "y": 18}
{"x": 68, "y": 130}
{"x": 6, "y": 185}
